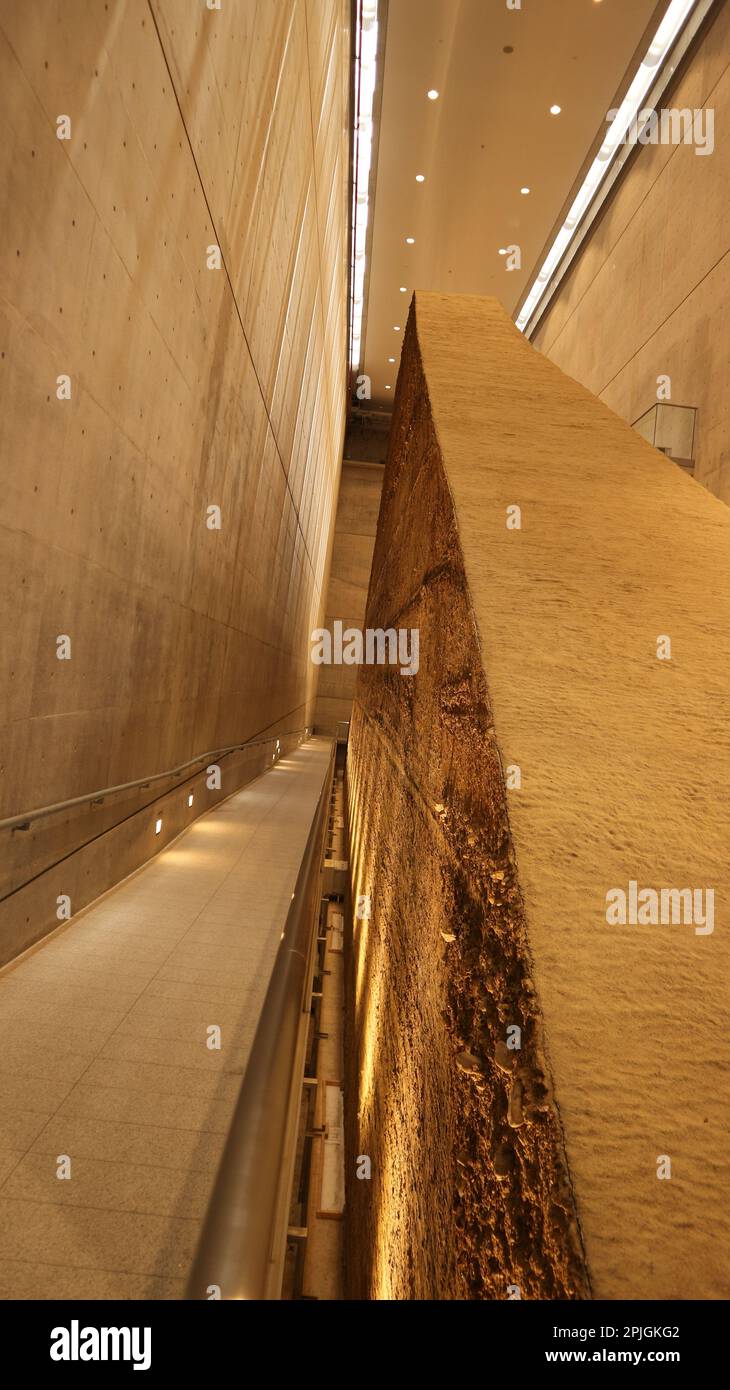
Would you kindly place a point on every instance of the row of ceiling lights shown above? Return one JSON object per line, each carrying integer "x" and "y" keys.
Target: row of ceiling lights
{"x": 667, "y": 34}
{"x": 365, "y": 81}
{"x": 670, "y": 28}
{"x": 410, "y": 240}
{"x": 433, "y": 95}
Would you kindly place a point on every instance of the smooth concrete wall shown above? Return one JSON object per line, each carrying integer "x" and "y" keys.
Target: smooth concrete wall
{"x": 551, "y": 750}
{"x": 649, "y": 295}
{"x": 105, "y": 844}
{"x": 347, "y": 591}
{"x": 191, "y": 387}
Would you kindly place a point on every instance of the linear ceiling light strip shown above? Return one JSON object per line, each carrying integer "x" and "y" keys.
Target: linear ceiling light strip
{"x": 365, "y": 78}
{"x": 355, "y": 152}
{"x": 645, "y": 78}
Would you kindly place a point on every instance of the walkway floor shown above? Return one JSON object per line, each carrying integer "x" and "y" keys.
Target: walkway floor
{"x": 104, "y": 1056}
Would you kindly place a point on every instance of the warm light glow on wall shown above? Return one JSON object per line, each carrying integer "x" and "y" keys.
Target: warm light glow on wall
{"x": 366, "y": 1012}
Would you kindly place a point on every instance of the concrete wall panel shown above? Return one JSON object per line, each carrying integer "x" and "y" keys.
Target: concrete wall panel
{"x": 647, "y": 296}
{"x": 349, "y": 575}
{"x": 190, "y": 387}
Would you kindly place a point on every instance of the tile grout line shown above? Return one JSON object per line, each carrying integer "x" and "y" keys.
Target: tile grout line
{"x": 263, "y": 823}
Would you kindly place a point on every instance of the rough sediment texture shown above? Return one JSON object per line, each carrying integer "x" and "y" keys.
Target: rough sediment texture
{"x": 488, "y": 906}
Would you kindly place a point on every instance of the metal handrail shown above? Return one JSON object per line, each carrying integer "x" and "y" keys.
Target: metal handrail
{"x": 242, "y": 1247}
{"x": 89, "y": 798}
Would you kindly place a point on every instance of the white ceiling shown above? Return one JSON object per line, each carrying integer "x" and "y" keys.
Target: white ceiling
{"x": 489, "y": 134}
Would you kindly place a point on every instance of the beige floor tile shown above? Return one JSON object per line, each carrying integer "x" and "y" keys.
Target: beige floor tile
{"x": 37, "y": 1093}
{"x": 103, "y": 1054}
{"x": 111, "y": 1141}
{"x": 65, "y": 1018}
{"x": 9, "y": 1159}
{"x": 120, "y": 1186}
{"x": 158, "y": 1079}
{"x": 93, "y": 1238}
{"x": 187, "y": 1022}
{"x": 19, "y": 1127}
{"x": 43, "y": 1060}
{"x": 176, "y": 1052}
{"x": 44, "y": 995}
{"x": 92, "y": 973}
{"x": 147, "y": 1108}
{"x": 188, "y": 990}
{"x": 215, "y": 977}
{"x": 21, "y": 1279}
{"x": 156, "y": 1008}
{"x": 82, "y": 1038}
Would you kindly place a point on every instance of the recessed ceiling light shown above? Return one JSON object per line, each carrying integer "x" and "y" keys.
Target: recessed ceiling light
{"x": 420, "y": 178}
{"x": 387, "y": 388}
{"x": 524, "y": 192}
{"x": 403, "y": 289}
{"x": 555, "y": 110}
{"x": 396, "y": 328}
{"x": 503, "y": 250}
{"x": 432, "y": 95}
{"x": 658, "y": 54}
{"x": 410, "y": 241}
{"x": 391, "y": 359}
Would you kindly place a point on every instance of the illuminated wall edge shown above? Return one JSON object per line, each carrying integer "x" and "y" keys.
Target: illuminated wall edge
{"x": 670, "y": 44}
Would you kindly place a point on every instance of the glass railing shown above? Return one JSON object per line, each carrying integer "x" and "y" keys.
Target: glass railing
{"x": 671, "y": 429}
